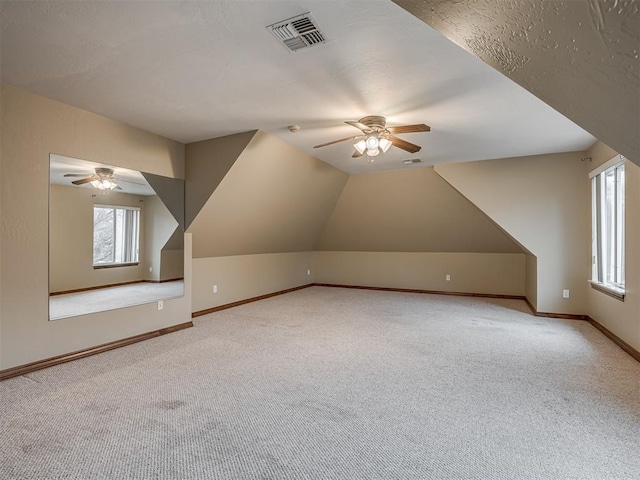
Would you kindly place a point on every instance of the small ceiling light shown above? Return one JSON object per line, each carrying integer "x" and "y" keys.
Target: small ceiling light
{"x": 372, "y": 143}
{"x": 384, "y": 144}
{"x": 104, "y": 184}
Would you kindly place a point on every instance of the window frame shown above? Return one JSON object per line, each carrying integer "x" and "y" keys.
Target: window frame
{"x": 608, "y": 229}
{"x": 135, "y": 260}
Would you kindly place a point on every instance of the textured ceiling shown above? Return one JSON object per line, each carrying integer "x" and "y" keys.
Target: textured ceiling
{"x": 581, "y": 57}
{"x": 202, "y": 69}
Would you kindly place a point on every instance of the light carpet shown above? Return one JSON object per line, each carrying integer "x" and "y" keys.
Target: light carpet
{"x": 112, "y": 298}
{"x": 327, "y": 383}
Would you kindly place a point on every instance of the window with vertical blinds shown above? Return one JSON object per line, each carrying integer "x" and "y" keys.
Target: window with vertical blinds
{"x": 116, "y": 235}
{"x": 607, "y": 196}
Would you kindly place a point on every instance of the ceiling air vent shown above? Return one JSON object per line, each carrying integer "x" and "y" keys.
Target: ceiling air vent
{"x": 298, "y": 32}
{"x": 411, "y": 161}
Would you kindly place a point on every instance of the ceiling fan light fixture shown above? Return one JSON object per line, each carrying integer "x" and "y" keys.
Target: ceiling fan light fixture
{"x": 372, "y": 143}
{"x": 104, "y": 184}
{"x": 376, "y": 138}
{"x": 384, "y": 144}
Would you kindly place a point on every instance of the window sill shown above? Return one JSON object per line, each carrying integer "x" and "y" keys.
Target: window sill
{"x": 611, "y": 291}
{"x": 115, "y": 265}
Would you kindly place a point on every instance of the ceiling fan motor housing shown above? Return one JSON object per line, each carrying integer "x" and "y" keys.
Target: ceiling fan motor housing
{"x": 375, "y": 122}
{"x": 104, "y": 172}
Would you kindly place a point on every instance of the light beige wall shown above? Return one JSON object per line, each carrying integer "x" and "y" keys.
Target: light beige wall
{"x": 246, "y": 276}
{"x": 274, "y": 199}
{"x": 621, "y": 318}
{"x": 32, "y": 128}
{"x": 411, "y": 210}
{"x": 255, "y": 233}
{"x": 492, "y": 273}
{"x": 540, "y": 201}
{"x": 71, "y": 239}
{"x": 159, "y": 227}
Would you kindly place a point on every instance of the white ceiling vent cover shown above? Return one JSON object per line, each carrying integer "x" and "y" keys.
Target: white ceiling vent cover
{"x": 298, "y": 32}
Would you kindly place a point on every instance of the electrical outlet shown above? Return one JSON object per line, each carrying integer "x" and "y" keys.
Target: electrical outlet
{"x": 447, "y": 278}
{"x": 215, "y": 289}
{"x": 160, "y": 304}
{"x": 151, "y": 269}
{"x": 565, "y": 293}
{"x": 308, "y": 272}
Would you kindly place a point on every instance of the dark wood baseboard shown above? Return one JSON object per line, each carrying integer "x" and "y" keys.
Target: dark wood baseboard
{"x": 109, "y": 285}
{"x": 206, "y": 311}
{"x": 166, "y": 280}
{"x": 68, "y": 357}
{"x": 412, "y": 290}
{"x": 617, "y": 340}
{"x": 563, "y": 316}
{"x": 98, "y": 287}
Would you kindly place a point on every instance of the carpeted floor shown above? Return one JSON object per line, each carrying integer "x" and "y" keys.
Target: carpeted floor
{"x": 111, "y": 298}
{"x": 328, "y": 383}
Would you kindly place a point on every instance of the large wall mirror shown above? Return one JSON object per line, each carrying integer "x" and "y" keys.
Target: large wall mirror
{"x": 116, "y": 237}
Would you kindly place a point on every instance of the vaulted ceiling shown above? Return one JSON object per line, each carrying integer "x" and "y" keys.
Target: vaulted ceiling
{"x": 196, "y": 70}
{"x": 580, "y": 57}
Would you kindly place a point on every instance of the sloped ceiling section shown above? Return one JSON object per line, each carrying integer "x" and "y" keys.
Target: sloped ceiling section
{"x": 206, "y": 164}
{"x": 274, "y": 199}
{"x": 170, "y": 191}
{"x": 580, "y": 57}
{"x": 176, "y": 241}
{"x": 543, "y": 202}
{"x": 409, "y": 211}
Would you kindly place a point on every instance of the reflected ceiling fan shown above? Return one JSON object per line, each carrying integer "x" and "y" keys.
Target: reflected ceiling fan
{"x": 103, "y": 179}
{"x": 376, "y": 137}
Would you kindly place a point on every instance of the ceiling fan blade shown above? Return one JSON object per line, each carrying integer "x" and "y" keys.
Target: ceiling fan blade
{"x": 357, "y": 154}
{"x": 83, "y": 181}
{"x": 337, "y": 141}
{"x": 129, "y": 181}
{"x": 420, "y": 127}
{"x": 404, "y": 145}
{"x": 358, "y": 125}
{"x": 118, "y": 187}
{"x": 75, "y": 174}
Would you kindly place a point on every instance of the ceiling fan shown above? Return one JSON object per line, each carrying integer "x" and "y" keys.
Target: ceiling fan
{"x": 377, "y": 137}
{"x": 102, "y": 180}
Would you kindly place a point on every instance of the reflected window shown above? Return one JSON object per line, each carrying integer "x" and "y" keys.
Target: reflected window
{"x": 116, "y": 235}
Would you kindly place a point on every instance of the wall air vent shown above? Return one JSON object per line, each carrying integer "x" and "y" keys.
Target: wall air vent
{"x": 411, "y": 161}
{"x": 298, "y": 32}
